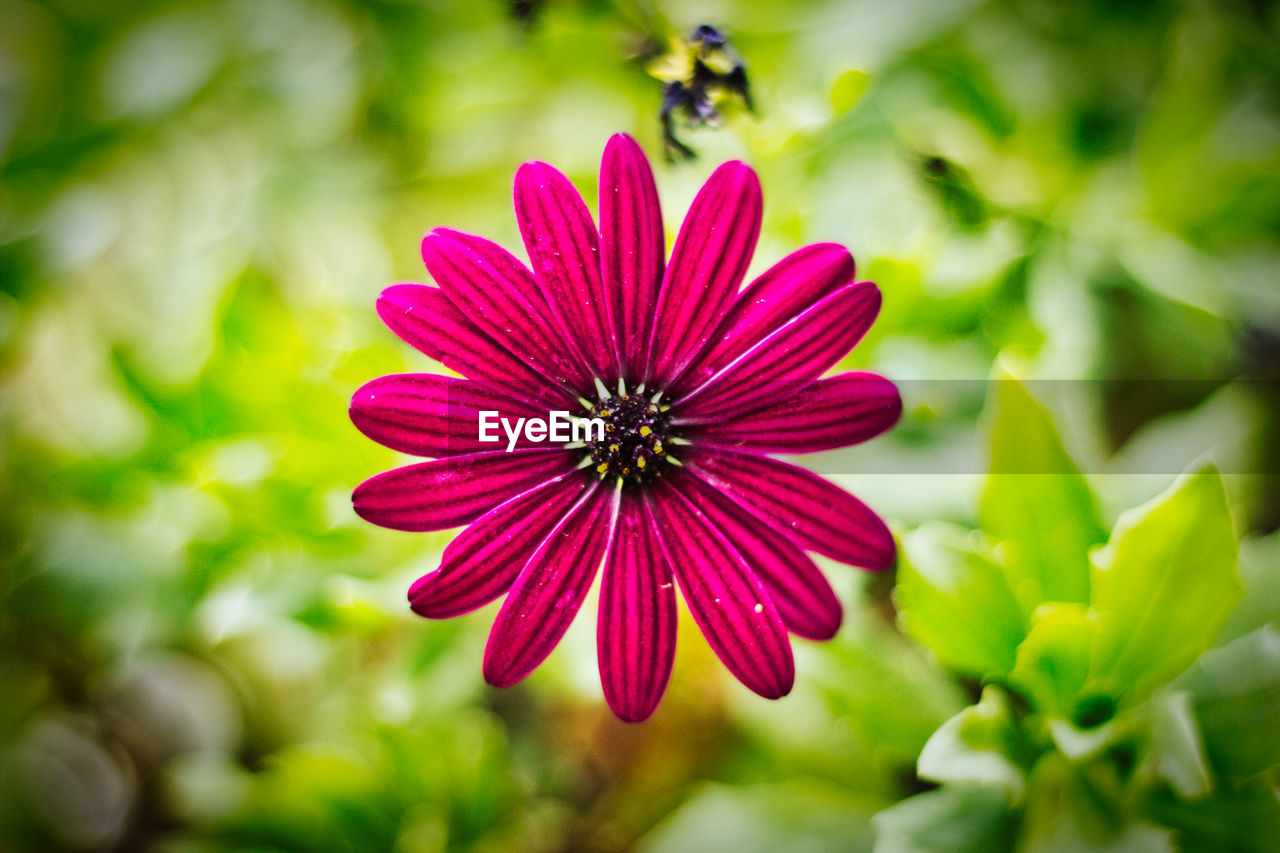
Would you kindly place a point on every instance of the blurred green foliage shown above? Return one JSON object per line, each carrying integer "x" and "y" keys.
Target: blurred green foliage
{"x": 1090, "y": 726}
{"x": 201, "y": 648}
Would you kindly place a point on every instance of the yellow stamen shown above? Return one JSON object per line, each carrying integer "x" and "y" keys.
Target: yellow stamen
{"x": 602, "y": 467}
{"x": 644, "y": 431}
{"x": 640, "y": 463}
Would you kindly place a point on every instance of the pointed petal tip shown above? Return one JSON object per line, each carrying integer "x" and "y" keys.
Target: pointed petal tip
{"x": 500, "y": 673}
{"x": 440, "y": 240}
{"x": 886, "y": 553}
{"x": 420, "y": 598}
{"x": 621, "y": 140}
{"x": 736, "y": 170}
{"x": 426, "y": 245}
{"x": 400, "y": 294}
{"x": 894, "y": 404}
{"x": 634, "y": 709}
{"x": 821, "y": 635}
{"x": 778, "y": 688}
{"x": 868, "y": 295}
{"x": 536, "y": 171}
{"x": 820, "y": 626}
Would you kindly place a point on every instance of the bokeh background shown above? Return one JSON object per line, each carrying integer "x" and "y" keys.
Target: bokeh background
{"x": 202, "y": 648}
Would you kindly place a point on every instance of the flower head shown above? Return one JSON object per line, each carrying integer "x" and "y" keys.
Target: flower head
{"x": 690, "y": 381}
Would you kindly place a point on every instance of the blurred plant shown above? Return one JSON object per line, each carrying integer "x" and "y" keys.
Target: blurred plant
{"x": 1090, "y": 731}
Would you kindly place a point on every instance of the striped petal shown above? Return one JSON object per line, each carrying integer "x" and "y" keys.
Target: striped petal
{"x": 729, "y": 603}
{"x": 486, "y": 558}
{"x": 498, "y": 294}
{"x": 784, "y": 290}
{"x": 425, "y": 318}
{"x": 456, "y": 490}
{"x": 830, "y": 413}
{"x": 708, "y": 263}
{"x": 636, "y": 629}
{"x": 631, "y": 247}
{"x": 805, "y": 601}
{"x": 816, "y": 515}
{"x": 787, "y": 359}
{"x": 547, "y": 594}
{"x": 430, "y": 415}
{"x": 564, "y": 248}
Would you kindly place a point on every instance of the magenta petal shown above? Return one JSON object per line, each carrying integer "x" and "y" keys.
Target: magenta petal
{"x": 787, "y": 359}
{"x": 631, "y": 247}
{"x": 805, "y": 601}
{"x": 780, "y": 293}
{"x": 429, "y": 415}
{"x": 456, "y": 490}
{"x": 498, "y": 294}
{"x": 830, "y": 413}
{"x": 729, "y": 603}
{"x": 708, "y": 262}
{"x": 486, "y": 558}
{"x": 425, "y": 318}
{"x": 636, "y": 628}
{"x": 564, "y": 248}
{"x": 550, "y": 589}
{"x": 816, "y": 515}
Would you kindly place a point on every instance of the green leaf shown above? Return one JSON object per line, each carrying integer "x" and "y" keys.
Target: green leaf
{"x": 847, "y": 89}
{"x": 1163, "y": 585}
{"x": 980, "y": 745}
{"x": 1053, "y": 661}
{"x": 1037, "y": 500}
{"x": 1237, "y": 701}
{"x": 1180, "y": 758}
{"x": 955, "y": 599}
{"x": 953, "y": 819}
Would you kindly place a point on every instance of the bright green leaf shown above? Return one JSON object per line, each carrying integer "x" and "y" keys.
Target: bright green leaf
{"x": 1237, "y": 701}
{"x": 953, "y": 819}
{"x": 1053, "y": 661}
{"x": 955, "y": 599}
{"x": 847, "y": 89}
{"x": 979, "y": 745}
{"x": 1163, "y": 584}
{"x": 1038, "y": 501}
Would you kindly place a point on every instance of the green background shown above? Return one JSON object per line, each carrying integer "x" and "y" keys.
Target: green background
{"x": 202, "y": 648}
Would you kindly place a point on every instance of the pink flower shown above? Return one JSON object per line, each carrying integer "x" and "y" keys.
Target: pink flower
{"x": 696, "y": 381}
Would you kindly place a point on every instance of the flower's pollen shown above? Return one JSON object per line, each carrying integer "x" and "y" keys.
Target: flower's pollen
{"x": 635, "y": 432}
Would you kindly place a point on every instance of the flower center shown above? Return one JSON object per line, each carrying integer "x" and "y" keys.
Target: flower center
{"x": 636, "y": 439}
